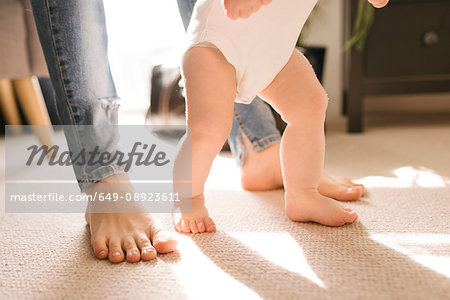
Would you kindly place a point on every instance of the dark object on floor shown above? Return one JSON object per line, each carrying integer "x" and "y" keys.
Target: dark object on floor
{"x": 167, "y": 103}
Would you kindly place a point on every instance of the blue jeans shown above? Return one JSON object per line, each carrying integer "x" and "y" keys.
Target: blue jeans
{"x": 74, "y": 40}
{"x": 254, "y": 121}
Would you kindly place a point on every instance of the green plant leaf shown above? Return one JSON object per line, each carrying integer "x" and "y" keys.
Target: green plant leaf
{"x": 363, "y": 22}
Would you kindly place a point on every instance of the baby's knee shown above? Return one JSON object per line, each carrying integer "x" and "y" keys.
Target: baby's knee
{"x": 318, "y": 101}
{"x": 314, "y": 104}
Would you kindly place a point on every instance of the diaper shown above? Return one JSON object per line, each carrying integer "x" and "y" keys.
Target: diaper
{"x": 258, "y": 47}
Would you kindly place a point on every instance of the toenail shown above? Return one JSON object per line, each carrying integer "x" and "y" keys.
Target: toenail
{"x": 145, "y": 250}
{"x": 116, "y": 253}
{"x": 101, "y": 253}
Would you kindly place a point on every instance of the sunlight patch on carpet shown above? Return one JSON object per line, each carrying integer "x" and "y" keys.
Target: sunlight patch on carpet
{"x": 200, "y": 277}
{"x": 429, "y": 250}
{"x": 407, "y": 177}
{"x": 279, "y": 248}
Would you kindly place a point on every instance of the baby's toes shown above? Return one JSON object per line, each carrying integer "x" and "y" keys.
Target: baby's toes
{"x": 379, "y": 3}
{"x": 209, "y": 224}
{"x": 245, "y": 12}
{"x": 349, "y": 215}
{"x": 200, "y": 225}
{"x": 177, "y": 222}
{"x": 343, "y": 216}
{"x": 193, "y": 226}
{"x": 350, "y": 193}
{"x": 232, "y": 12}
{"x": 256, "y": 6}
{"x": 185, "y": 226}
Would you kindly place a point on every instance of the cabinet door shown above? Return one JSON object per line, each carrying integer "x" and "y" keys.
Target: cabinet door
{"x": 409, "y": 39}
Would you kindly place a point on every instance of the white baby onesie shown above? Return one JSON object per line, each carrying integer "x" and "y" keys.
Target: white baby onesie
{"x": 258, "y": 47}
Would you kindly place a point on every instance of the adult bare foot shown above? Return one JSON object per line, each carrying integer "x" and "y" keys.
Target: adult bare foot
{"x": 262, "y": 171}
{"x": 116, "y": 235}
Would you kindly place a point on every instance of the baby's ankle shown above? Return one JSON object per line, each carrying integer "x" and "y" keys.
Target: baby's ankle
{"x": 187, "y": 204}
{"x": 301, "y": 192}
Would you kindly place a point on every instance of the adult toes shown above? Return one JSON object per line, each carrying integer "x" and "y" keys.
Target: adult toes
{"x": 115, "y": 253}
{"x": 162, "y": 240}
{"x": 132, "y": 251}
{"x": 100, "y": 248}
{"x": 350, "y": 215}
{"x": 146, "y": 248}
{"x": 209, "y": 224}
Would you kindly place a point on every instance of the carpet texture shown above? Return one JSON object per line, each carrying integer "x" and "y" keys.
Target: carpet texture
{"x": 398, "y": 249}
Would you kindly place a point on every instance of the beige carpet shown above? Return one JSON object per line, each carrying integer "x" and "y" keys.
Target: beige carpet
{"x": 399, "y": 249}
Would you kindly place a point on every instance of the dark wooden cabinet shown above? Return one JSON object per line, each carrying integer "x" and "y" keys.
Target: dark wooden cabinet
{"x": 407, "y": 51}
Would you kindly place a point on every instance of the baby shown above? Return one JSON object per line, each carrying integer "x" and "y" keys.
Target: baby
{"x": 250, "y": 50}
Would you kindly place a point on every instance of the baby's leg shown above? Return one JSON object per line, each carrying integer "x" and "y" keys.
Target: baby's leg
{"x": 210, "y": 83}
{"x": 300, "y": 99}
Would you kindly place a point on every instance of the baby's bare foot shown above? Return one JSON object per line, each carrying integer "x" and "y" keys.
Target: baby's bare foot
{"x": 310, "y": 206}
{"x": 262, "y": 171}
{"x": 197, "y": 221}
{"x": 117, "y": 235}
{"x": 340, "y": 188}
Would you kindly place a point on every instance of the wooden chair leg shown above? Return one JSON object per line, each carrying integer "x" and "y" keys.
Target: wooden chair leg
{"x": 32, "y": 102}
{"x": 9, "y": 105}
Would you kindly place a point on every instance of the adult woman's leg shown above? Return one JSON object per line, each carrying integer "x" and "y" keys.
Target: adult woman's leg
{"x": 73, "y": 37}
{"x": 255, "y": 144}
{"x": 74, "y": 40}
